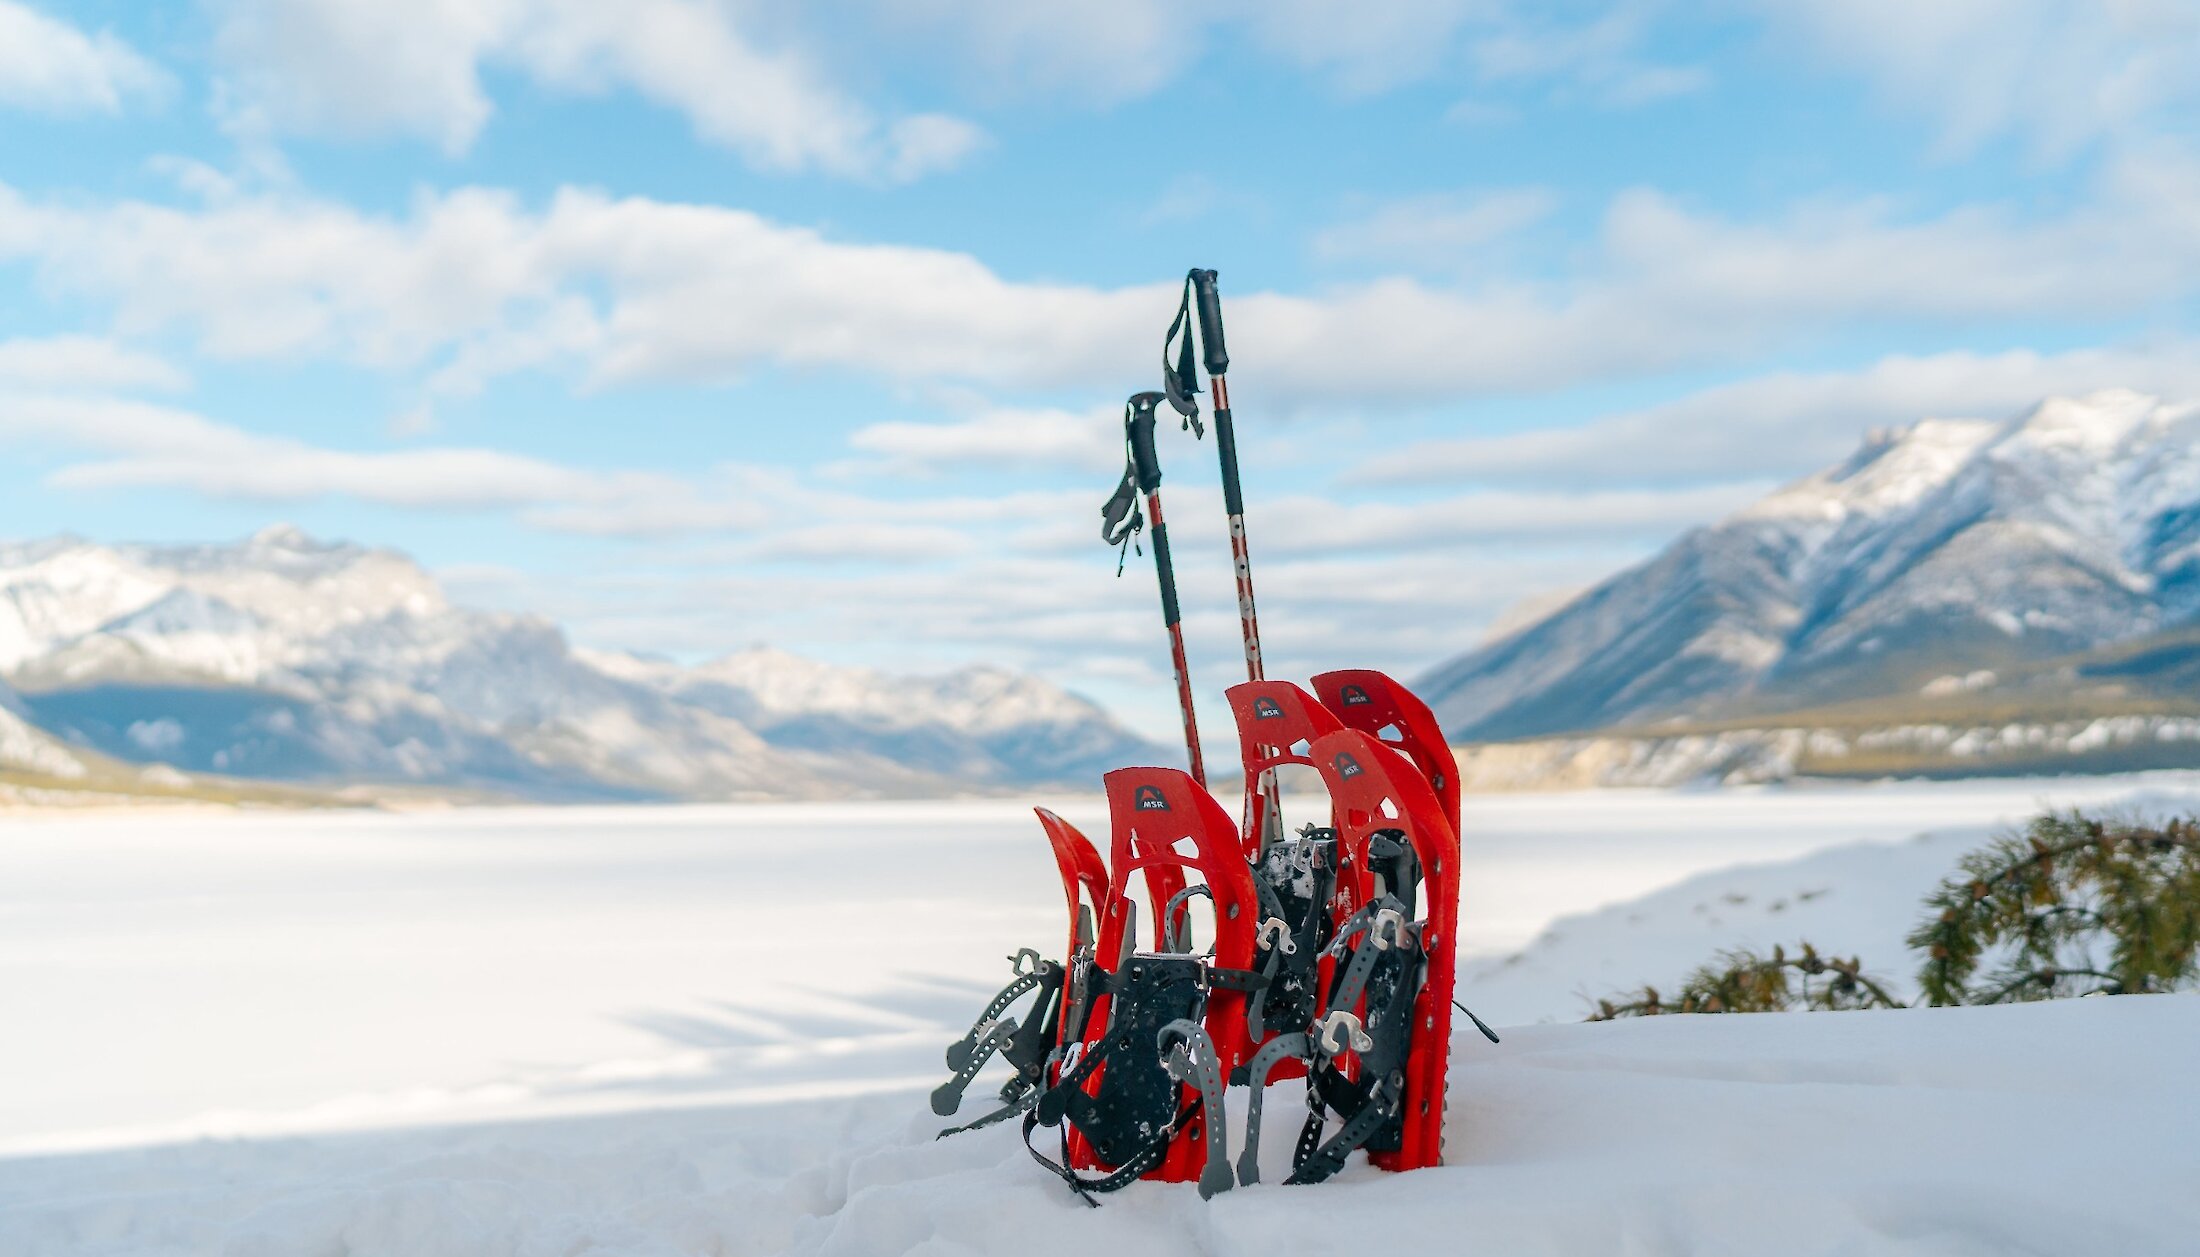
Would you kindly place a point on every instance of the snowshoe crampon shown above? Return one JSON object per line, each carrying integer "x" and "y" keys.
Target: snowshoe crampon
{"x": 1032, "y": 1045}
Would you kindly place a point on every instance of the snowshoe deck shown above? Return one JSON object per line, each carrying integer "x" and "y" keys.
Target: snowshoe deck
{"x": 1163, "y": 825}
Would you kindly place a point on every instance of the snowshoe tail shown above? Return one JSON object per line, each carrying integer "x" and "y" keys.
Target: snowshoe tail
{"x": 1367, "y": 700}
{"x": 1275, "y": 721}
{"x": 1084, "y": 877}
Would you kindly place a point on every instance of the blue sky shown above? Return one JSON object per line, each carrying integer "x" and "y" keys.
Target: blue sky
{"x": 699, "y": 323}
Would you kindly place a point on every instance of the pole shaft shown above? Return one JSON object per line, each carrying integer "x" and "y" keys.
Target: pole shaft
{"x": 1233, "y": 501}
{"x": 1264, "y": 822}
{"x": 1172, "y": 617}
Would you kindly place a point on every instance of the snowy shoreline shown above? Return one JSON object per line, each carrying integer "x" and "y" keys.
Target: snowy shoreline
{"x": 706, "y": 1029}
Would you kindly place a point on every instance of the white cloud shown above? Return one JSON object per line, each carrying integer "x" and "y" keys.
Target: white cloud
{"x": 48, "y": 65}
{"x": 413, "y": 67}
{"x": 2058, "y": 74}
{"x": 470, "y": 284}
{"x": 1781, "y": 424}
{"x": 142, "y": 445}
{"x": 84, "y": 362}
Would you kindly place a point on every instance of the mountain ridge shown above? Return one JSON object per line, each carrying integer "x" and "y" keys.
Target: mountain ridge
{"x": 2003, "y": 551}
{"x": 285, "y": 658}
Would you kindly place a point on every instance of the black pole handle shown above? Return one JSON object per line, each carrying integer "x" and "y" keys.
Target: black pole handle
{"x": 1209, "y": 299}
{"x": 1138, "y": 426}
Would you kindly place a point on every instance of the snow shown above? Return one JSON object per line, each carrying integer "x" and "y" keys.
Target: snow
{"x": 707, "y": 1030}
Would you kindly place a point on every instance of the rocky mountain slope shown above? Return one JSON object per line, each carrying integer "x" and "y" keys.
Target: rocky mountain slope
{"x": 1958, "y": 595}
{"x": 288, "y": 659}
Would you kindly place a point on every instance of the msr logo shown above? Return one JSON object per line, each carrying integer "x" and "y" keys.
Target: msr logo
{"x": 1346, "y": 766}
{"x": 1354, "y": 696}
{"x": 1265, "y": 708}
{"x": 1150, "y": 799}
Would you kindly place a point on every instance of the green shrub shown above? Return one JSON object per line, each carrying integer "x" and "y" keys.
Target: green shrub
{"x": 2073, "y": 905}
{"x": 1743, "y": 982}
{"x": 2070, "y": 905}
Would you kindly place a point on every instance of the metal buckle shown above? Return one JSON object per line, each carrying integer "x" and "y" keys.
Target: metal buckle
{"x": 1339, "y": 1029}
{"x": 1395, "y": 922}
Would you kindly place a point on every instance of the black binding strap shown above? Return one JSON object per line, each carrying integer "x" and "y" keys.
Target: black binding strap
{"x": 1021, "y": 1104}
{"x": 1180, "y": 377}
{"x": 1122, "y": 1176}
{"x": 1319, "y": 1162}
{"x": 1270, "y": 1055}
{"x": 947, "y": 1097}
{"x": 959, "y": 1052}
{"x": 1189, "y": 1056}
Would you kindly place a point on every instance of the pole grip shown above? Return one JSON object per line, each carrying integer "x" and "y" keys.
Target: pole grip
{"x": 1208, "y": 298}
{"x": 1139, "y": 427}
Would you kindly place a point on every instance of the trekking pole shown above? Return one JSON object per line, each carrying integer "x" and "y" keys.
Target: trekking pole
{"x": 1120, "y": 523}
{"x": 1203, "y": 301}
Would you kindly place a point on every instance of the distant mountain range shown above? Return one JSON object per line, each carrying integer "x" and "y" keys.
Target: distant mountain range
{"x": 284, "y": 659}
{"x": 1958, "y": 596}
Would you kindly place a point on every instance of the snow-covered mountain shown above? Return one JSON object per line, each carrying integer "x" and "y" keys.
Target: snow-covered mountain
{"x": 1968, "y": 567}
{"x": 974, "y": 724}
{"x": 287, "y": 658}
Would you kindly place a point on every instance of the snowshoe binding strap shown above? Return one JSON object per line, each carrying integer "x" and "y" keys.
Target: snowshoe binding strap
{"x": 1319, "y": 1160}
{"x": 1189, "y": 1057}
{"x": 1014, "y": 1099}
{"x": 1144, "y": 1162}
{"x": 947, "y": 1097}
{"x": 1024, "y": 1046}
{"x": 1178, "y": 937}
{"x": 1264, "y": 1062}
{"x": 1028, "y": 969}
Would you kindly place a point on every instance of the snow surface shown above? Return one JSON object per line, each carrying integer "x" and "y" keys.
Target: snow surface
{"x": 707, "y": 1030}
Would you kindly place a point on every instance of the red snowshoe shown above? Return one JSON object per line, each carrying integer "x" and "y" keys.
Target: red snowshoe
{"x": 1377, "y": 1051}
{"x": 1142, "y": 1090}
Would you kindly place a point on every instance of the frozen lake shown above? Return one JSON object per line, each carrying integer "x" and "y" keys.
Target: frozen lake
{"x": 175, "y": 976}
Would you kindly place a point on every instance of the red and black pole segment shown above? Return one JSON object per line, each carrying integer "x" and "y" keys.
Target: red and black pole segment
{"x": 1145, "y": 470}
{"x": 1215, "y": 356}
